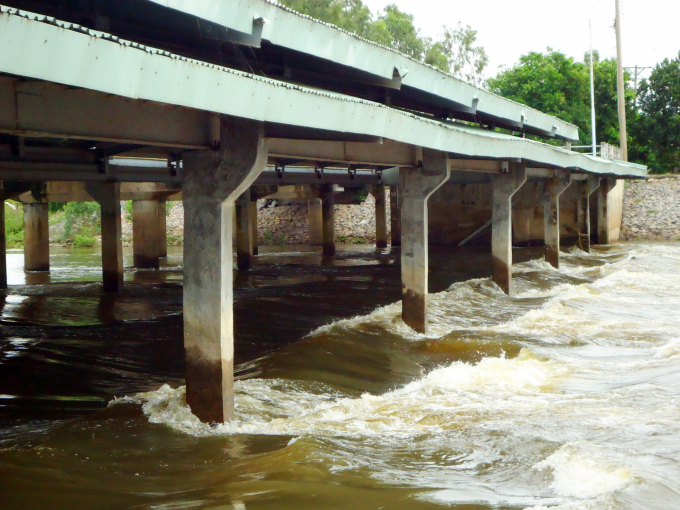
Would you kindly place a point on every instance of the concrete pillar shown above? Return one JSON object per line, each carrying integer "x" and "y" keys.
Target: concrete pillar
{"x": 416, "y": 185}
{"x": 145, "y": 229}
{"x": 380, "y": 216}
{"x": 253, "y": 224}
{"x": 212, "y": 181}
{"x": 603, "y": 230}
{"x": 36, "y": 237}
{"x": 395, "y": 216}
{"x": 3, "y": 244}
{"x": 553, "y": 188}
{"x": 315, "y": 221}
{"x": 107, "y": 195}
{"x": 328, "y": 219}
{"x": 244, "y": 232}
{"x": 586, "y": 188}
{"x": 162, "y": 229}
{"x": 504, "y": 185}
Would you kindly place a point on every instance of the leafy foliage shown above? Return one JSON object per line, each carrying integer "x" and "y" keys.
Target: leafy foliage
{"x": 82, "y": 218}
{"x": 557, "y": 85}
{"x": 14, "y": 227}
{"x": 658, "y": 129}
{"x": 457, "y": 54}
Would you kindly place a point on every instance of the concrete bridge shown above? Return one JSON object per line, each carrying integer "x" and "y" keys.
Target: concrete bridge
{"x": 221, "y": 103}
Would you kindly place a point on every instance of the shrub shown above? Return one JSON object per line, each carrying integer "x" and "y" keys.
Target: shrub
{"x": 127, "y": 208}
{"x": 81, "y": 218}
{"x": 14, "y": 227}
{"x": 80, "y": 241}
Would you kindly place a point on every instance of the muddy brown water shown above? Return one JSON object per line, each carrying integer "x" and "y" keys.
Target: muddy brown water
{"x": 565, "y": 395}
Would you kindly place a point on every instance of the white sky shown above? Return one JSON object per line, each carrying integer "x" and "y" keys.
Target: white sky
{"x": 508, "y": 29}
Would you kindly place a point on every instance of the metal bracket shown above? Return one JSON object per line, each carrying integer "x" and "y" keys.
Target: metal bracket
{"x": 318, "y": 170}
{"x": 505, "y": 167}
{"x": 280, "y": 169}
{"x": 352, "y": 171}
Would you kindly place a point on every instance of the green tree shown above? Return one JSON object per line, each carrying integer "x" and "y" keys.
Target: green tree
{"x": 395, "y": 29}
{"x": 555, "y": 84}
{"x": 457, "y": 54}
{"x": 659, "y": 124}
{"x": 350, "y": 15}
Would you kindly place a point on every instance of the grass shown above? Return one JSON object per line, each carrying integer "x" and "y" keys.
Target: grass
{"x": 14, "y": 227}
{"x": 270, "y": 238}
{"x": 173, "y": 238}
{"x": 80, "y": 241}
{"x": 343, "y": 239}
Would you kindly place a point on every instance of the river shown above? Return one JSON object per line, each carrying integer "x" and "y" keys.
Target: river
{"x": 565, "y": 396}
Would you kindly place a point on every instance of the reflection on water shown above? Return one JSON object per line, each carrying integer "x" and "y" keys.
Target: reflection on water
{"x": 564, "y": 396}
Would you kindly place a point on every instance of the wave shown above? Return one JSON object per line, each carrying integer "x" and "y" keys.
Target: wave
{"x": 424, "y": 406}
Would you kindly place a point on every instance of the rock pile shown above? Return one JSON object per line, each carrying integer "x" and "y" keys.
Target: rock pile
{"x": 354, "y": 224}
{"x": 651, "y": 209}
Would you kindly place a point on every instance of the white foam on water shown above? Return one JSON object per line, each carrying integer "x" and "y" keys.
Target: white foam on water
{"x": 448, "y": 311}
{"x": 584, "y": 473}
{"x": 425, "y": 406}
{"x": 533, "y": 265}
{"x": 667, "y": 350}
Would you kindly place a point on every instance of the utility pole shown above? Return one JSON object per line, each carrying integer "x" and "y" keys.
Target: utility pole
{"x": 638, "y": 70}
{"x": 620, "y": 89}
{"x": 592, "y": 92}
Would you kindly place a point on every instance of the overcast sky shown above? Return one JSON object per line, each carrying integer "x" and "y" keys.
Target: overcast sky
{"x": 508, "y": 29}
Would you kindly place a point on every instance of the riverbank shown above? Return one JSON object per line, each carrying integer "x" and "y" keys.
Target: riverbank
{"x": 651, "y": 209}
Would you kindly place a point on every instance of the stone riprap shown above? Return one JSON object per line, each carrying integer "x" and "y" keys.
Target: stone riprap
{"x": 651, "y": 209}
{"x": 285, "y": 224}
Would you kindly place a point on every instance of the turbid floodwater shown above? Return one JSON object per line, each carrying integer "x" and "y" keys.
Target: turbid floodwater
{"x": 566, "y": 395}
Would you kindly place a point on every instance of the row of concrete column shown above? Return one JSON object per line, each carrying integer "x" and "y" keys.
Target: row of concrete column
{"x": 148, "y": 225}
{"x": 417, "y": 185}
{"x": 217, "y": 197}
{"x": 149, "y": 230}
{"x": 320, "y": 218}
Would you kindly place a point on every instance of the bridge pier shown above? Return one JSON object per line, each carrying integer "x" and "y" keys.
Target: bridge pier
{"x": 212, "y": 181}
{"x": 586, "y": 188}
{"x": 107, "y": 195}
{"x": 417, "y": 185}
{"x": 253, "y": 223}
{"x": 162, "y": 229}
{"x": 328, "y": 219}
{"x": 145, "y": 230}
{"x": 553, "y": 187}
{"x": 504, "y": 187}
{"x": 380, "y": 216}
{"x": 244, "y": 232}
{"x": 395, "y": 216}
{"x": 603, "y": 231}
{"x": 3, "y": 243}
{"x": 36, "y": 237}
{"x": 315, "y": 221}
